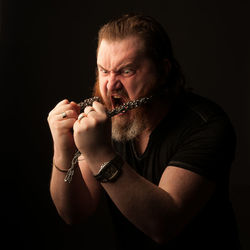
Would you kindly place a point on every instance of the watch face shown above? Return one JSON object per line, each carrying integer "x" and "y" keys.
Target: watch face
{"x": 111, "y": 170}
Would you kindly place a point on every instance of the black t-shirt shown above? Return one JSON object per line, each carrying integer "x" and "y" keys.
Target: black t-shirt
{"x": 196, "y": 135}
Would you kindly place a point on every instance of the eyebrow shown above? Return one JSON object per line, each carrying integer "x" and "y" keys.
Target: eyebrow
{"x": 122, "y": 65}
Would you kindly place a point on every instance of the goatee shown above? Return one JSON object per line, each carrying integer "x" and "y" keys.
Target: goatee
{"x": 128, "y": 126}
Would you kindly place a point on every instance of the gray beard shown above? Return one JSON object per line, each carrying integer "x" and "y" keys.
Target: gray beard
{"x": 124, "y": 129}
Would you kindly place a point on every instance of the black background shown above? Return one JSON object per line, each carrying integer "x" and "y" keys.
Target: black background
{"x": 48, "y": 54}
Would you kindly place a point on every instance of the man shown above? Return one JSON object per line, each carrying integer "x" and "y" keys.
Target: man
{"x": 164, "y": 166}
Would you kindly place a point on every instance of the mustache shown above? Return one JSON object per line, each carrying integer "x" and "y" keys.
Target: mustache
{"x": 122, "y": 93}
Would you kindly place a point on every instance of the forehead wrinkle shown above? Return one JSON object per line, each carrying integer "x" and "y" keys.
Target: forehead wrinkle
{"x": 112, "y": 56}
{"x": 123, "y": 64}
{"x": 114, "y": 64}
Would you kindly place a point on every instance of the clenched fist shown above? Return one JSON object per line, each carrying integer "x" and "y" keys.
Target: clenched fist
{"x": 61, "y": 120}
{"x": 92, "y": 131}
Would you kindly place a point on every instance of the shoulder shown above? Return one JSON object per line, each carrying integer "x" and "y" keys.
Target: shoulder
{"x": 191, "y": 113}
{"x": 201, "y": 109}
{"x": 202, "y": 136}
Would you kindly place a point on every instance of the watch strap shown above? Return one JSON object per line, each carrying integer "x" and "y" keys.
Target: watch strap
{"x": 110, "y": 171}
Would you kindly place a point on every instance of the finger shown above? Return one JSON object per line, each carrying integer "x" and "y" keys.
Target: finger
{"x": 88, "y": 109}
{"x": 82, "y": 115}
{"x": 76, "y": 107}
{"x": 61, "y": 125}
{"x": 57, "y": 107}
{"x": 64, "y": 107}
{"x": 67, "y": 114}
{"x": 65, "y": 124}
{"x": 65, "y": 101}
{"x": 100, "y": 108}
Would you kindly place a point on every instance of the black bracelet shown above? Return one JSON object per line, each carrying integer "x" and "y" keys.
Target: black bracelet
{"x": 59, "y": 169}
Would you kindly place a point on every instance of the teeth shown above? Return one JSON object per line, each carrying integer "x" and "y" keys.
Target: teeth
{"x": 117, "y": 100}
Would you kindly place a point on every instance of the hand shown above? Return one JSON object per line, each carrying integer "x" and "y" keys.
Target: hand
{"x": 61, "y": 120}
{"x": 92, "y": 132}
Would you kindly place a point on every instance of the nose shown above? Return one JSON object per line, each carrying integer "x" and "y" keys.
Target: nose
{"x": 114, "y": 82}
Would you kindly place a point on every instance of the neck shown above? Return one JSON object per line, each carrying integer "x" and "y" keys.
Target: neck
{"x": 156, "y": 112}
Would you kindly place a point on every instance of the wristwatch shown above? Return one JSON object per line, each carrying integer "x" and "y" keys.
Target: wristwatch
{"x": 110, "y": 171}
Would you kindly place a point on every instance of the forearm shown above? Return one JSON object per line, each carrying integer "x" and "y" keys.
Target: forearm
{"x": 147, "y": 206}
{"x": 73, "y": 200}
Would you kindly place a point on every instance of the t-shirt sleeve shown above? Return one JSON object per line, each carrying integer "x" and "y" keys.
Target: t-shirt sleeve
{"x": 207, "y": 149}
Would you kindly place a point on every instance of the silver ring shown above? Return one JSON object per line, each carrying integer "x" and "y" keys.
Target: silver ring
{"x": 90, "y": 111}
{"x": 64, "y": 115}
{"x": 82, "y": 115}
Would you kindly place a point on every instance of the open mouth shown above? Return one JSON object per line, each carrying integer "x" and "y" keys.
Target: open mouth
{"x": 117, "y": 101}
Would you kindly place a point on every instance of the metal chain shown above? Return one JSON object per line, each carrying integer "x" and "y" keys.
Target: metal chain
{"x": 128, "y": 106}
{"x": 88, "y": 102}
{"x": 121, "y": 109}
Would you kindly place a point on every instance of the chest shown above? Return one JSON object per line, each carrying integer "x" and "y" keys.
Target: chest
{"x": 152, "y": 160}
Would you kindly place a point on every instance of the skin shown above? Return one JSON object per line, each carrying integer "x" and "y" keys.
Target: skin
{"x": 160, "y": 211}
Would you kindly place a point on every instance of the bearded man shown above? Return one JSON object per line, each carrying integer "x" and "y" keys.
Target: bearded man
{"x": 163, "y": 166}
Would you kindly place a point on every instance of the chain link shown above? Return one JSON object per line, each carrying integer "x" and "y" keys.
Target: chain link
{"x": 121, "y": 109}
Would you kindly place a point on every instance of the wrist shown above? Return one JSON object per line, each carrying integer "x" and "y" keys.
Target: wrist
{"x": 63, "y": 158}
{"x": 95, "y": 160}
{"x": 59, "y": 169}
{"x": 110, "y": 171}
{"x": 70, "y": 166}
{"x": 64, "y": 151}
{"x": 62, "y": 162}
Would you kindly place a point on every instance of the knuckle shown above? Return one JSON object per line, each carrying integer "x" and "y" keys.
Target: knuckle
{"x": 61, "y": 103}
{"x": 88, "y": 108}
{"x": 96, "y": 104}
{"x": 64, "y": 101}
{"x": 71, "y": 105}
